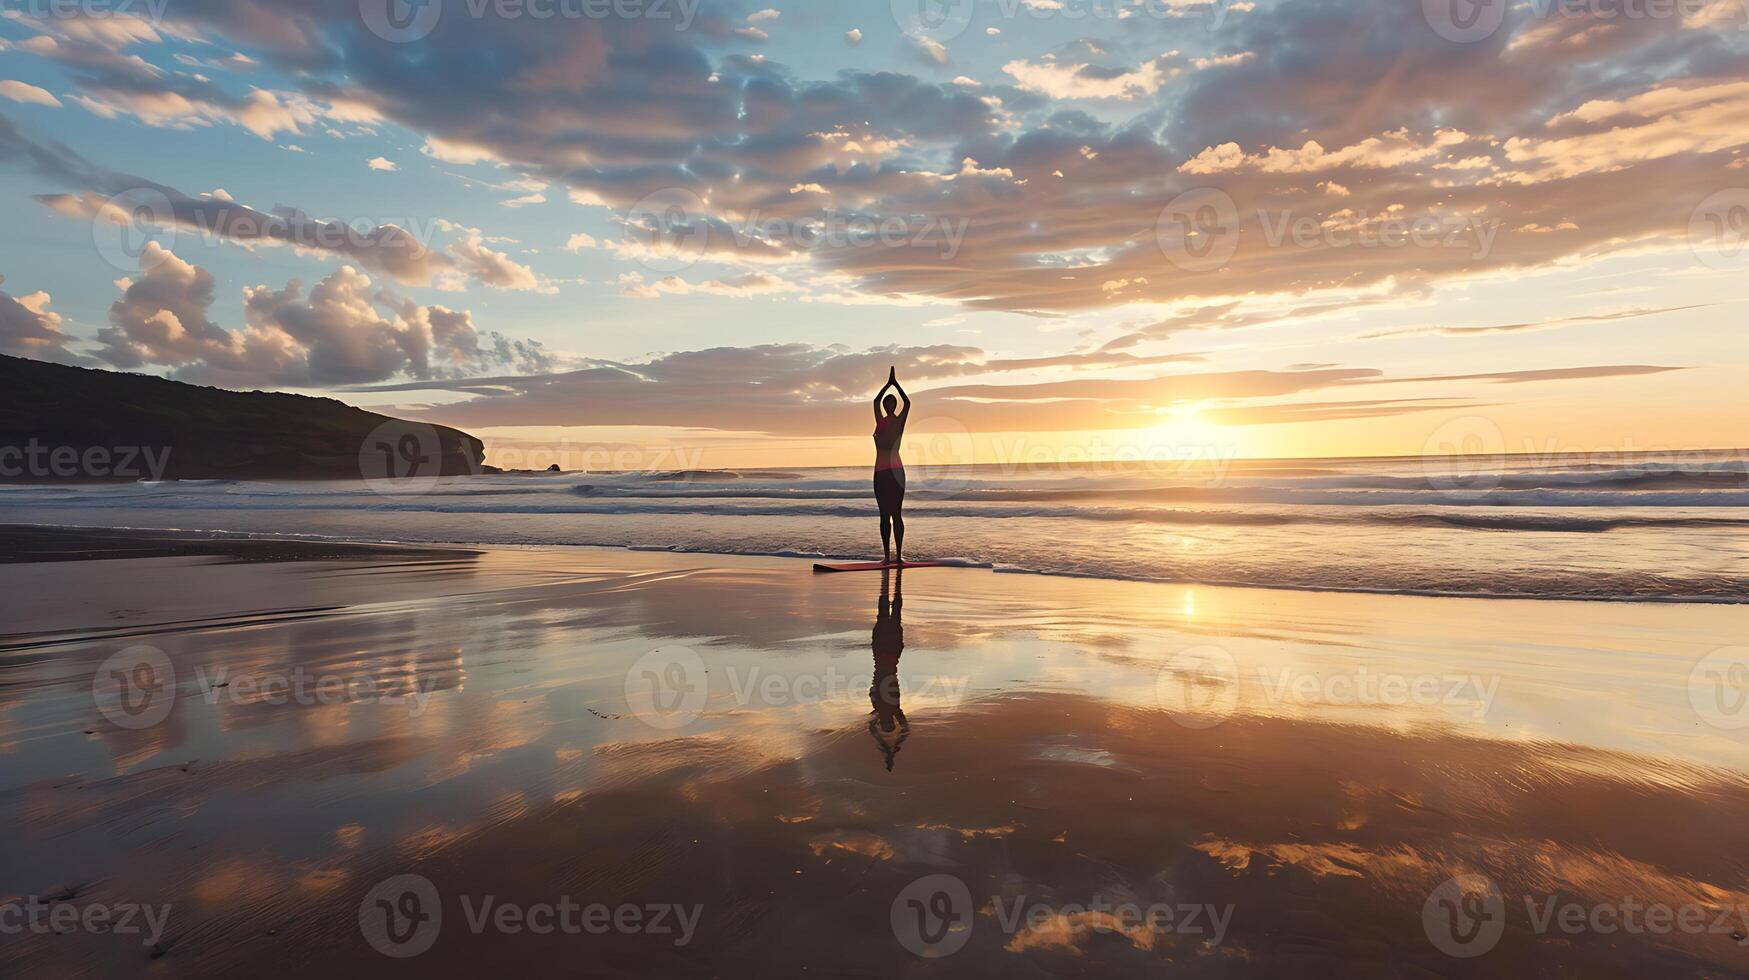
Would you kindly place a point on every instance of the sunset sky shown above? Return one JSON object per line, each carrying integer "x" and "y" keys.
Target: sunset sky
{"x": 1304, "y": 228}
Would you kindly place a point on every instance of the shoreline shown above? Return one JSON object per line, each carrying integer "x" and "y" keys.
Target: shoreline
{"x": 125, "y": 541}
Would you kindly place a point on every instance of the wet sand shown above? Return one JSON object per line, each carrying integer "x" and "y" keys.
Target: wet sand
{"x": 1291, "y": 778}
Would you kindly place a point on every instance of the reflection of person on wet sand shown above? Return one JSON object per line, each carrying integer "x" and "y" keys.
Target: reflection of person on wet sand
{"x": 888, "y": 642}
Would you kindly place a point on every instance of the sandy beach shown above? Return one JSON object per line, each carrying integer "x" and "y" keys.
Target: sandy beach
{"x": 1018, "y": 489}
{"x": 619, "y": 763}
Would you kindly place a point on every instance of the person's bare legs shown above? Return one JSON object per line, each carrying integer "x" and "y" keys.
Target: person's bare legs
{"x": 898, "y": 533}
{"x": 887, "y": 538}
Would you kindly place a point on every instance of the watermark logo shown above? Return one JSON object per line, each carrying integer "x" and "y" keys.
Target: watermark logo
{"x": 1718, "y": 229}
{"x": 1199, "y": 229}
{"x": 1199, "y": 686}
{"x": 1464, "y": 454}
{"x": 401, "y": 916}
{"x": 401, "y": 457}
{"x": 932, "y": 916}
{"x": 666, "y": 688}
{"x": 1465, "y": 21}
{"x": 1718, "y": 688}
{"x": 401, "y": 21}
{"x": 135, "y": 687}
{"x": 667, "y": 231}
{"x": 937, "y": 452}
{"x": 125, "y": 224}
{"x": 937, "y": 21}
{"x": 1465, "y": 916}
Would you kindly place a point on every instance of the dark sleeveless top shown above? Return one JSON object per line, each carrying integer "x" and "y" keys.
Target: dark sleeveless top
{"x": 888, "y": 431}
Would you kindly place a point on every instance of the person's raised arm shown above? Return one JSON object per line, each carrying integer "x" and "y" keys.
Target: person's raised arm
{"x": 878, "y": 394}
{"x": 904, "y": 399}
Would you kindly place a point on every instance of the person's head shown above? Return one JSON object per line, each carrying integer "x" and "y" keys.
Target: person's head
{"x": 890, "y": 403}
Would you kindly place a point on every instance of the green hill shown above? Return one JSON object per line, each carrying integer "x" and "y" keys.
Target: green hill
{"x": 66, "y": 424}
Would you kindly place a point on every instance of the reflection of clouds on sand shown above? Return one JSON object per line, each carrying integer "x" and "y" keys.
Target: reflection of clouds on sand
{"x": 1057, "y": 775}
{"x": 1260, "y": 813}
{"x": 131, "y": 748}
{"x": 867, "y": 845}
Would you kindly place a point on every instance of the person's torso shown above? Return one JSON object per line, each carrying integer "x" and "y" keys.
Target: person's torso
{"x": 887, "y": 434}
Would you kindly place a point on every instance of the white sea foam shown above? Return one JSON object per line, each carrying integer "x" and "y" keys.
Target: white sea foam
{"x": 1635, "y": 528}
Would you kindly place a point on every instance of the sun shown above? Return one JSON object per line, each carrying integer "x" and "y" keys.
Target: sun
{"x": 1183, "y": 431}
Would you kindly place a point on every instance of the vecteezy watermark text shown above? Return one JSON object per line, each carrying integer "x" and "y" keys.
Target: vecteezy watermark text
{"x": 48, "y": 916}
{"x": 405, "y": 21}
{"x": 672, "y": 228}
{"x": 136, "y": 687}
{"x": 934, "y": 916}
{"x": 1201, "y": 686}
{"x": 1465, "y": 917}
{"x": 35, "y": 460}
{"x": 934, "y": 22}
{"x": 1200, "y": 229}
{"x": 668, "y": 687}
{"x": 402, "y": 916}
{"x": 1469, "y": 21}
{"x": 308, "y": 688}
{"x": 150, "y": 11}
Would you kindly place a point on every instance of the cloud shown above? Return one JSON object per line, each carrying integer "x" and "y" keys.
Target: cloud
{"x": 1328, "y": 109}
{"x": 798, "y": 389}
{"x": 29, "y": 328}
{"x": 1223, "y": 61}
{"x": 114, "y": 82}
{"x": 1084, "y": 81}
{"x": 379, "y": 163}
{"x": 1651, "y": 125}
{"x": 25, "y": 92}
{"x": 495, "y": 269}
{"x": 346, "y": 331}
{"x": 456, "y": 151}
{"x": 1373, "y": 153}
{"x": 1530, "y": 325}
{"x": 1543, "y": 374}
{"x": 741, "y": 287}
{"x": 769, "y": 13}
{"x": 853, "y": 37}
{"x": 161, "y": 317}
{"x": 121, "y": 199}
{"x": 808, "y": 390}
{"x": 1291, "y": 412}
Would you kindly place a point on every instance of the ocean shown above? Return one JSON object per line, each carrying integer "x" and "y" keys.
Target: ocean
{"x": 1645, "y": 526}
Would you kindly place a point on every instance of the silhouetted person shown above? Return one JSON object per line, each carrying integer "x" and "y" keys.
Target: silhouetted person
{"x": 889, "y": 471}
{"x": 888, "y": 642}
